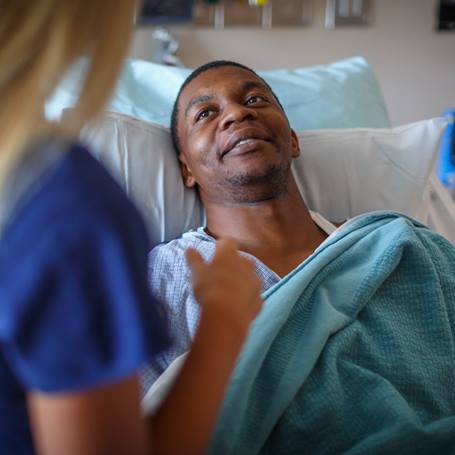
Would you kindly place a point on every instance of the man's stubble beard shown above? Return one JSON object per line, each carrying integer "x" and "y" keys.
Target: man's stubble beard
{"x": 255, "y": 188}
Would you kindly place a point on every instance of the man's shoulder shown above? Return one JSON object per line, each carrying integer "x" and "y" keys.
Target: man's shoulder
{"x": 173, "y": 252}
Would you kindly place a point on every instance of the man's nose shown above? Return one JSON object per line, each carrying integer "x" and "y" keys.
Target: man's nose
{"x": 236, "y": 113}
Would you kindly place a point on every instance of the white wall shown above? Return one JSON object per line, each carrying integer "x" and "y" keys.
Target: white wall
{"x": 415, "y": 65}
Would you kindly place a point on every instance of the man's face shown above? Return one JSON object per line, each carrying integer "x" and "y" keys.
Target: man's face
{"x": 235, "y": 141}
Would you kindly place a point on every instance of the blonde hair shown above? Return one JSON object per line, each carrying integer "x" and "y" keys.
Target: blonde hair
{"x": 40, "y": 40}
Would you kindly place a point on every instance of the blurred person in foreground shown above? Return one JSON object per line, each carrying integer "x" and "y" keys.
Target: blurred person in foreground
{"x": 76, "y": 318}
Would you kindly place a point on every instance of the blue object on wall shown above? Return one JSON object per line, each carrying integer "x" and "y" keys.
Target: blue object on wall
{"x": 447, "y": 153}
{"x": 165, "y": 11}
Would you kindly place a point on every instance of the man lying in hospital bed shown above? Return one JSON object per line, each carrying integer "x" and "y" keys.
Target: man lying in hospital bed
{"x": 354, "y": 349}
{"x": 235, "y": 144}
{"x": 341, "y": 173}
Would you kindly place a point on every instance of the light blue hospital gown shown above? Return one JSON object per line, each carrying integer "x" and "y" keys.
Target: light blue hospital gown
{"x": 170, "y": 281}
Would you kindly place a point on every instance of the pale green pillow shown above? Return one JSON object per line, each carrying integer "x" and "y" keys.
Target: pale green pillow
{"x": 343, "y": 94}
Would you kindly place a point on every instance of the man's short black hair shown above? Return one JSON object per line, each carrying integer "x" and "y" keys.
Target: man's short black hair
{"x": 194, "y": 75}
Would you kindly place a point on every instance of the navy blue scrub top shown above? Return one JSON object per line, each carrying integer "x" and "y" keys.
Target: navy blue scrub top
{"x": 75, "y": 306}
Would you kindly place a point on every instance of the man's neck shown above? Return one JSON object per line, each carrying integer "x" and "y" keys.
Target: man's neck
{"x": 279, "y": 232}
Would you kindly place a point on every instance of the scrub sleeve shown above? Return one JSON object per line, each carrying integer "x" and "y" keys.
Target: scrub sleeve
{"x": 76, "y": 310}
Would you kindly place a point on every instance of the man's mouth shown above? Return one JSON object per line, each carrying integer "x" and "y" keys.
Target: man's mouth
{"x": 239, "y": 142}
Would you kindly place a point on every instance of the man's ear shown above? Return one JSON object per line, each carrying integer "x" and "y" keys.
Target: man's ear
{"x": 188, "y": 177}
{"x": 295, "y": 144}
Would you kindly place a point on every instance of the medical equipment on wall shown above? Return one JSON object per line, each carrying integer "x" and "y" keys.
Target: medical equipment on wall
{"x": 227, "y": 13}
{"x": 446, "y": 169}
{"x": 266, "y": 14}
{"x": 168, "y": 47}
{"x": 347, "y": 12}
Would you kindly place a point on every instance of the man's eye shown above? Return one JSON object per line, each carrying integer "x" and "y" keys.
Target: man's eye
{"x": 254, "y": 99}
{"x": 203, "y": 114}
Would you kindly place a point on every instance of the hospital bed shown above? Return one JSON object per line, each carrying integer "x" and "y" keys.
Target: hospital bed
{"x": 441, "y": 208}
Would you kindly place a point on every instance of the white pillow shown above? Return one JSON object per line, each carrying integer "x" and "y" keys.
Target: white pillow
{"x": 341, "y": 173}
{"x": 142, "y": 158}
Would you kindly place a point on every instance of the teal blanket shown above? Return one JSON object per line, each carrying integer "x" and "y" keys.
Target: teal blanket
{"x": 354, "y": 351}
